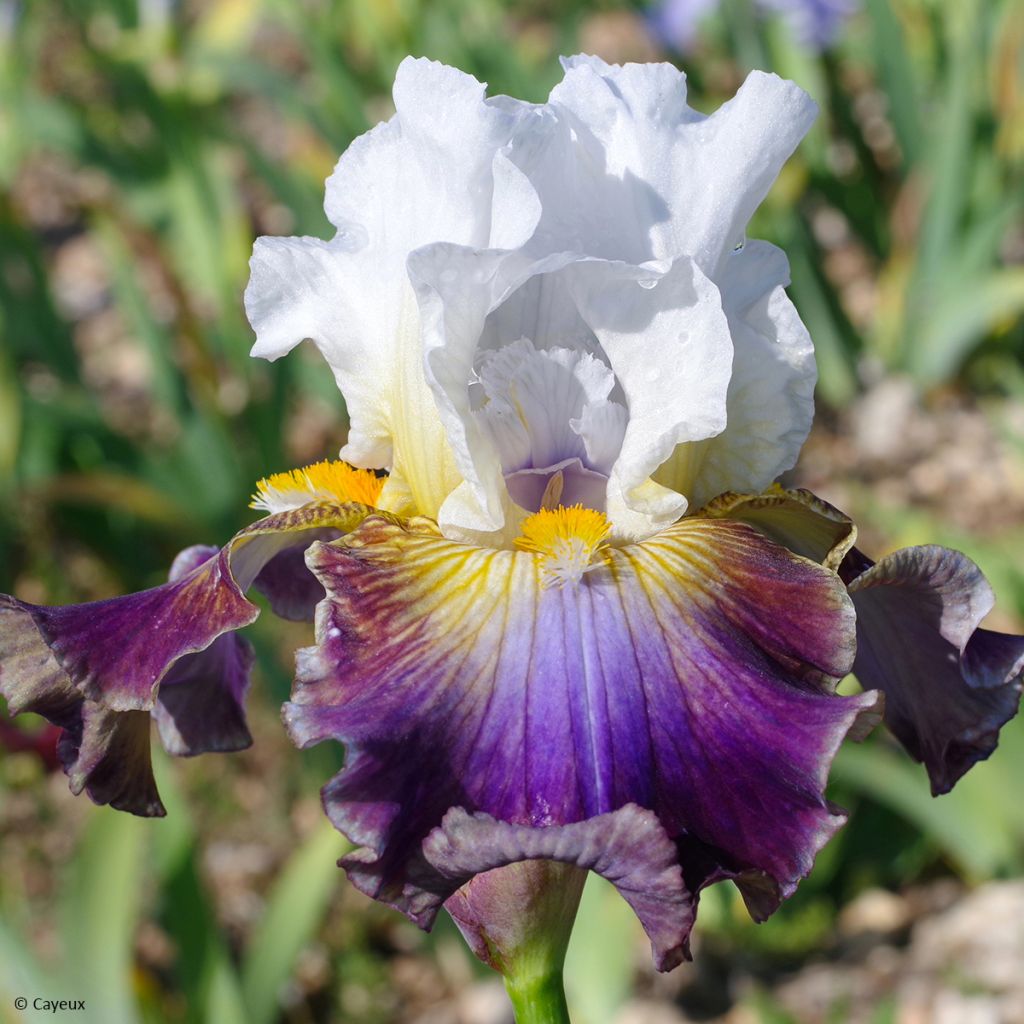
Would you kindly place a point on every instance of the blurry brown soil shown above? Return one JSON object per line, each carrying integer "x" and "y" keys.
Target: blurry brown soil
{"x": 938, "y": 954}
{"x": 935, "y": 955}
{"x": 952, "y": 457}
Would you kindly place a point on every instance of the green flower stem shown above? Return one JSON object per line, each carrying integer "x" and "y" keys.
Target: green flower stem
{"x": 518, "y": 919}
{"x": 538, "y": 999}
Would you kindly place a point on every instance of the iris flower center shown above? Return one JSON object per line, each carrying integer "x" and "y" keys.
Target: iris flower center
{"x": 570, "y": 542}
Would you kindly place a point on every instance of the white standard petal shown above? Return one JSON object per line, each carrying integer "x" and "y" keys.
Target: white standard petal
{"x": 661, "y": 332}
{"x": 435, "y": 172}
{"x": 457, "y": 289}
{"x": 544, "y": 392}
{"x": 667, "y": 340}
{"x": 307, "y": 288}
{"x": 670, "y": 180}
{"x": 602, "y": 427}
{"x": 771, "y": 393}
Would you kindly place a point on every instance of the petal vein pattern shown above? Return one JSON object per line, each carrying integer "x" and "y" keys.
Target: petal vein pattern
{"x": 690, "y": 675}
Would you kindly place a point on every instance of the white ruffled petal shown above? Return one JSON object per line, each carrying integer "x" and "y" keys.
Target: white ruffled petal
{"x": 434, "y": 172}
{"x": 462, "y": 518}
{"x": 662, "y": 333}
{"x": 673, "y": 180}
{"x": 668, "y": 343}
{"x": 303, "y": 288}
{"x": 457, "y": 288}
{"x": 602, "y": 426}
{"x": 540, "y": 299}
{"x": 771, "y": 392}
{"x": 539, "y": 394}
{"x": 540, "y": 308}
{"x": 546, "y": 412}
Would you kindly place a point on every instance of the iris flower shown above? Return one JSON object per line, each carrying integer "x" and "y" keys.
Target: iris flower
{"x": 563, "y": 615}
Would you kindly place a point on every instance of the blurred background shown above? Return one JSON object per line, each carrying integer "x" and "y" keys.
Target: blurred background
{"x": 143, "y": 145}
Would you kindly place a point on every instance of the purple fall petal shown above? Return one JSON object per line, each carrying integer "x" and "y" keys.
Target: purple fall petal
{"x": 200, "y": 706}
{"x": 117, "y": 650}
{"x": 30, "y": 677}
{"x": 628, "y": 847}
{"x": 106, "y": 753}
{"x": 691, "y": 676}
{"x": 993, "y": 660}
{"x": 292, "y": 590}
{"x": 99, "y": 670}
{"x": 949, "y": 686}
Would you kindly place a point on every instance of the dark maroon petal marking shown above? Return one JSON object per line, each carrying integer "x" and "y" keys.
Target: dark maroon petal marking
{"x": 949, "y": 686}
{"x": 797, "y": 519}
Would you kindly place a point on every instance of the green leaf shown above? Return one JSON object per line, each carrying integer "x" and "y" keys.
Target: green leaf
{"x": 960, "y": 823}
{"x": 898, "y": 79}
{"x": 101, "y": 910}
{"x": 21, "y": 974}
{"x": 295, "y": 908}
{"x": 837, "y": 377}
{"x": 203, "y": 966}
{"x": 599, "y": 964}
{"x": 10, "y": 416}
{"x": 946, "y": 169}
{"x": 963, "y": 313}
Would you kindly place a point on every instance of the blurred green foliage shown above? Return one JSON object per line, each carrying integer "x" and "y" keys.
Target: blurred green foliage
{"x": 145, "y": 143}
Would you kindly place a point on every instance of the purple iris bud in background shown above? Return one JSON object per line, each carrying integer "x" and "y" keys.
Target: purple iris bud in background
{"x": 675, "y": 23}
{"x": 815, "y": 23}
